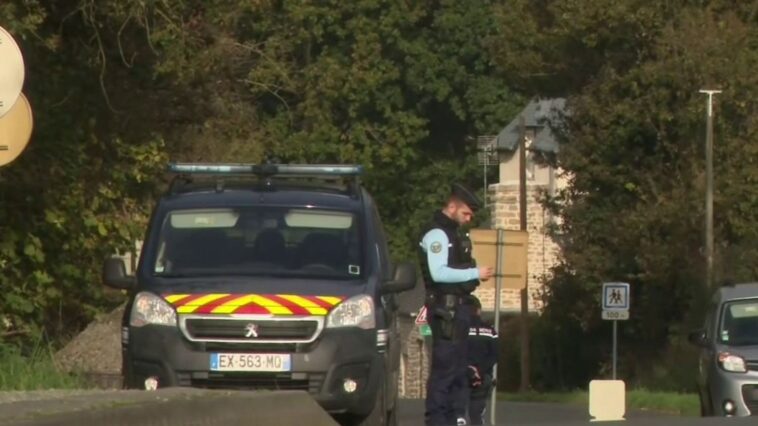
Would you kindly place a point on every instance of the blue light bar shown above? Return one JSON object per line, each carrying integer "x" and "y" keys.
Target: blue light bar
{"x": 267, "y": 169}
{"x": 319, "y": 169}
{"x": 201, "y": 168}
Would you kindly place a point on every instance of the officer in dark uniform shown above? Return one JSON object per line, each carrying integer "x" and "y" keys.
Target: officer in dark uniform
{"x": 482, "y": 357}
{"x": 450, "y": 275}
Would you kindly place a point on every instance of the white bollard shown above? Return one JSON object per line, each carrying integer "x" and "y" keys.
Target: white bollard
{"x": 607, "y": 400}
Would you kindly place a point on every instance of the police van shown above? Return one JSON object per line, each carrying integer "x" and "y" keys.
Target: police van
{"x": 269, "y": 276}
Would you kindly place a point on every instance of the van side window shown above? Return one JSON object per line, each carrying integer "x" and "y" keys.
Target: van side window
{"x": 710, "y": 317}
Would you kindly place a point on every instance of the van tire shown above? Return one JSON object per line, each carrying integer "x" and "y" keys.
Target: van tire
{"x": 706, "y": 408}
{"x": 378, "y": 415}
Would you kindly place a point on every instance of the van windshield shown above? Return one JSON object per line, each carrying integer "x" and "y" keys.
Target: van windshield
{"x": 739, "y": 323}
{"x": 259, "y": 241}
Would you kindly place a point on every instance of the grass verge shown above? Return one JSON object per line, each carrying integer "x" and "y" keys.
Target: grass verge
{"x": 35, "y": 371}
{"x": 682, "y": 404}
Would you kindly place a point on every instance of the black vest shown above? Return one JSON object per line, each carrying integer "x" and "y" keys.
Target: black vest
{"x": 458, "y": 256}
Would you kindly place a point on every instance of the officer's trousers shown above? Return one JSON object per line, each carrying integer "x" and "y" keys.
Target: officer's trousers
{"x": 473, "y": 402}
{"x": 477, "y": 404}
{"x": 447, "y": 376}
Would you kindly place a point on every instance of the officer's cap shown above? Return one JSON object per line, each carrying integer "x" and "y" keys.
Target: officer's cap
{"x": 465, "y": 195}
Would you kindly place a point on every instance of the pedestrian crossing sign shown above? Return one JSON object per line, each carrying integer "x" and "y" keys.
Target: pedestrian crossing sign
{"x": 615, "y": 296}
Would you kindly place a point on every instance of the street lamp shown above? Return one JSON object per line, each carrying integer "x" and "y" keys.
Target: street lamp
{"x": 709, "y": 188}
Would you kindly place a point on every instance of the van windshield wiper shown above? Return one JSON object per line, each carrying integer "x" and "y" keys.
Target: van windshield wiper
{"x": 182, "y": 275}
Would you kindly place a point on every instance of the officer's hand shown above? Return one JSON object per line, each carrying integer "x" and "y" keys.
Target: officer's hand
{"x": 486, "y": 272}
{"x": 474, "y": 377}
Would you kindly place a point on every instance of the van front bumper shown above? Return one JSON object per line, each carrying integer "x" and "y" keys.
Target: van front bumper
{"x": 321, "y": 367}
{"x": 739, "y": 389}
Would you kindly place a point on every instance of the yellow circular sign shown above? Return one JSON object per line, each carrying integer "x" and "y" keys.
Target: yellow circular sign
{"x": 15, "y": 130}
{"x": 11, "y": 72}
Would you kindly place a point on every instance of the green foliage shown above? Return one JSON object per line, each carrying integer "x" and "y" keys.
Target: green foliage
{"x": 82, "y": 188}
{"x": 33, "y": 371}
{"x": 632, "y": 149}
{"x": 638, "y": 399}
{"x": 118, "y": 87}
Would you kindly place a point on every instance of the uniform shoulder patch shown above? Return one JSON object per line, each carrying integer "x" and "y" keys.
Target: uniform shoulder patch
{"x": 436, "y": 247}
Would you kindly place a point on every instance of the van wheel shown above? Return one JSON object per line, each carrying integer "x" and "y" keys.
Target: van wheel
{"x": 392, "y": 415}
{"x": 705, "y": 404}
{"x": 377, "y": 417}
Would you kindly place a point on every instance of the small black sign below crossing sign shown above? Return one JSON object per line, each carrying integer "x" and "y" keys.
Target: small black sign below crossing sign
{"x": 616, "y": 301}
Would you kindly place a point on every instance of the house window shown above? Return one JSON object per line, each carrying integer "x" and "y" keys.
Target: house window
{"x": 531, "y": 166}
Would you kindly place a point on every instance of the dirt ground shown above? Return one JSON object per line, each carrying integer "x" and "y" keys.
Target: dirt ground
{"x": 96, "y": 352}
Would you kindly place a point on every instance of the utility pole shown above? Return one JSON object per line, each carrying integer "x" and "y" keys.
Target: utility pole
{"x": 524, "y": 385}
{"x": 709, "y": 188}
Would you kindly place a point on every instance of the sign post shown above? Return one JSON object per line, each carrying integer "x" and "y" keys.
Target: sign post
{"x": 507, "y": 250}
{"x": 498, "y": 289}
{"x": 615, "y": 308}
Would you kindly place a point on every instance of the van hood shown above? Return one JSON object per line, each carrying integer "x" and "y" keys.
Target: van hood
{"x": 255, "y": 295}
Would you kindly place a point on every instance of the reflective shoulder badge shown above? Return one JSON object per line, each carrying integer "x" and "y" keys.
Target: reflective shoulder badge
{"x": 436, "y": 247}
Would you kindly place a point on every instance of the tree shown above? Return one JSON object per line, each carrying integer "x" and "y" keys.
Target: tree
{"x": 129, "y": 84}
{"x": 632, "y": 146}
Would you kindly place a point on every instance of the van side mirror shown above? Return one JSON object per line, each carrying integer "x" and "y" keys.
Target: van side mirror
{"x": 404, "y": 278}
{"x": 114, "y": 275}
{"x": 698, "y": 338}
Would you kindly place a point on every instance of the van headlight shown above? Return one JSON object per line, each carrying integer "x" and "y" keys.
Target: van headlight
{"x": 356, "y": 311}
{"x": 732, "y": 363}
{"x": 151, "y": 309}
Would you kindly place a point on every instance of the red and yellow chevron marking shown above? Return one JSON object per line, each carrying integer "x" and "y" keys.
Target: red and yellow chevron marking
{"x": 274, "y": 304}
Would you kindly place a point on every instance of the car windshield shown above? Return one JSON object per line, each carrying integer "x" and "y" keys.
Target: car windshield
{"x": 260, "y": 241}
{"x": 739, "y": 323}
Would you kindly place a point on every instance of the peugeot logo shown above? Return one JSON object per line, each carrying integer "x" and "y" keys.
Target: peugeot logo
{"x": 251, "y": 330}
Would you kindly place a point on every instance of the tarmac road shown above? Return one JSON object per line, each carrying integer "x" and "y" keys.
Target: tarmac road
{"x": 547, "y": 414}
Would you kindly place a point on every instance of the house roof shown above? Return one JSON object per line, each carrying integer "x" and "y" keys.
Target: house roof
{"x": 537, "y": 115}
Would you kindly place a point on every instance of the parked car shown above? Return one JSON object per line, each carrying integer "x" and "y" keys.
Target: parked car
{"x": 272, "y": 277}
{"x": 728, "y": 373}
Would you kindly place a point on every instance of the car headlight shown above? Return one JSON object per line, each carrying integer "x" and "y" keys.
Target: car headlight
{"x": 356, "y": 311}
{"x": 732, "y": 363}
{"x": 151, "y": 309}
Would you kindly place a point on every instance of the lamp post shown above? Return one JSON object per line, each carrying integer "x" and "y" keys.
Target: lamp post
{"x": 709, "y": 188}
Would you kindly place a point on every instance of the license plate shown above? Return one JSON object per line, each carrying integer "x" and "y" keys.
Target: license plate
{"x": 250, "y": 362}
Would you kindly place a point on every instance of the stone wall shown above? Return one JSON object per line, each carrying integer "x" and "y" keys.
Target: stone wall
{"x": 414, "y": 361}
{"x": 542, "y": 251}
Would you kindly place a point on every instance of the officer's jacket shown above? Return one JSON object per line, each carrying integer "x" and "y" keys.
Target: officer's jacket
{"x": 482, "y": 345}
{"x": 445, "y": 257}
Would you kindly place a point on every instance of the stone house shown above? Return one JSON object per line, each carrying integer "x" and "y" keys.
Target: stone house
{"x": 503, "y": 202}
{"x": 503, "y": 197}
